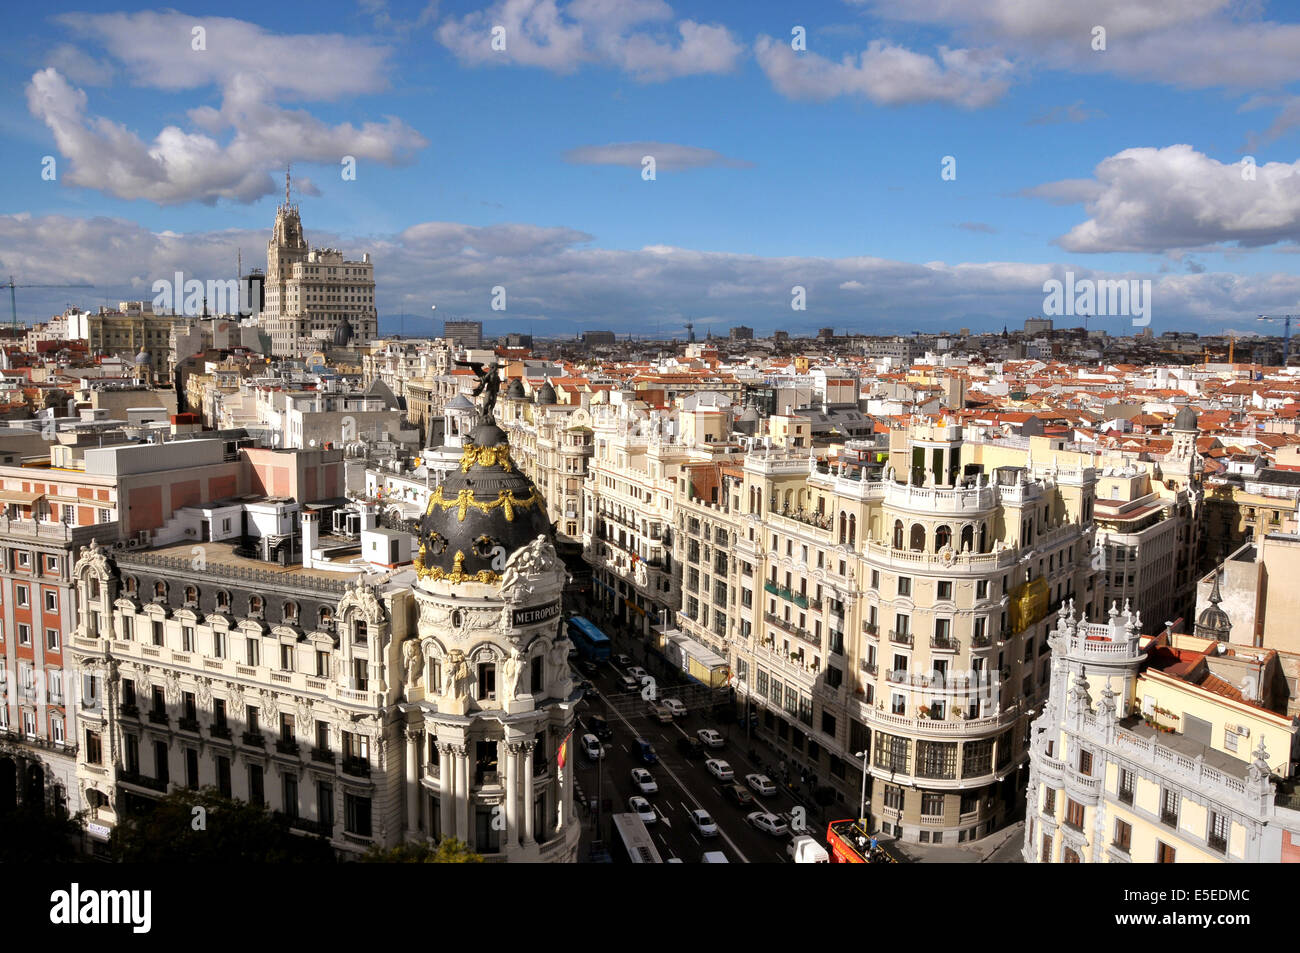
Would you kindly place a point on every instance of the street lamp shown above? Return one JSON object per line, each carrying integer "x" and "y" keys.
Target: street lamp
{"x": 862, "y": 804}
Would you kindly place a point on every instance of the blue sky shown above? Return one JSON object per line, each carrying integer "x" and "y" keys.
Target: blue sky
{"x": 521, "y": 168}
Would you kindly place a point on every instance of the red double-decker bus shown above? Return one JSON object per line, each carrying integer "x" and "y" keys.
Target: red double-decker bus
{"x": 851, "y": 844}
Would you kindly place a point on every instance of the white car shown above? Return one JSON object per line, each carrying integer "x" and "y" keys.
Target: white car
{"x": 591, "y": 745}
{"x": 719, "y": 769}
{"x": 622, "y": 660}
{"x": 710, "y": 738}
{"x": 644, "y": 781}
{"x": 642, "y": 809}
{"x": 760, "y": 784}
{"x": 675, "y": 706}
{"x": 767, "y": 821}
{"x": 704, "y": 823}
{"x": 637, "y": 672}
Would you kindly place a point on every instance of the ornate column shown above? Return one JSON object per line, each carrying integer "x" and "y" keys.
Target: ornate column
{"x": 413, "y": 778}
{"x": 446, "y": 789}
{"x": 465, "y": 802}
{"x": 512, "y": 793}
{"x": 528, "y": 792}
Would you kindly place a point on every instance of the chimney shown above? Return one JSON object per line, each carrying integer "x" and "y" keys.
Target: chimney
{"x": 368, "y": 519}
{"x": 310, "y": 534}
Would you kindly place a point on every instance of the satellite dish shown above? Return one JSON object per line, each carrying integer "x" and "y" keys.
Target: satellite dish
{"x": 312, "y": 442}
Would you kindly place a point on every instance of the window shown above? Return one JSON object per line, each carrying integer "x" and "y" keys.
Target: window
{"x": 286, "y": 657}
{"x": 322, "y": 664}
{"x": 128, "y": 627}
{"x": 218, "y": 644}
{"x": 219, "y": 712}
{"x": 94, "y": 748}
{"x": 893, "y": 797}
{"x": 892, "y": 752}
{"x": 256, "y": 793}
{"x": 252, "y": 650}
{"x": 1049, "y": 801}
{"x": 931, "y": 804}
{"x": 325, "y": 805}
{"x": 192, "y": 769}
{"x": 51, "y": 563}
{"x": 1218, "y": 836}
{"x": 1074, "y": 814}
{"x": 51, "y": 601}
{"x": 936, "y": 759}
{"x": 1169, "y": 807}
{"x": 1123, "y": 836}
{"x": 904, "y": 585}
{"x": 24, "y": 634}
{"x": 290, "y": 792}
{"x": 161, "y": 769}
{"x": 1126, "y": 783}
{"x": 223, "y": 775}
{"x": 1068, "y": 856}
{"x": 828, "y": 723}
{"x": 187, "y": 638}
{"x": 487, "y": 680}
{"x": 1164, "y": 853}
{"x": 157, "y": 632}
{"x": 52, "y": 640}
{"x": 1085, "y": 763}
{"x": 977, "y": 758}
{"x": 982, "y": 589}
{"x": 945, "y": 590}
{"x": 356, "y": 814}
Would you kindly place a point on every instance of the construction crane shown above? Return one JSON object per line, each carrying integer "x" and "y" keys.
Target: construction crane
{"x": 13, "y": 300}
{"x": 1286, "y": 334}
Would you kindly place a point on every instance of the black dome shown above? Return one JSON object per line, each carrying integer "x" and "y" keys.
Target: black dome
{"x": 546, "y": 394}
{"x": 515, "y": 390}
{"x": 482, "y": 512}
{"x": 1185, "y": 419}
{"x": 343, "y": 334}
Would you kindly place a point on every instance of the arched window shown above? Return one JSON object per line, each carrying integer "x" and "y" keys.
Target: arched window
{"x": 844, "y": 526}
{"x": 291, "y": 612}
{"x": 223, "y": 599}
{"x": 942, "y": 537}
{"x": 917, "y": 542}
{"x": 160, "y": 590}
{"x": 325, "y": 618}
{"x": 898, "y": 534}
{"x": 132, "y": 585}
{"x": 254, "y": 606}
{"x": 967, "y": 538}
{"x": 853, "y": 529}
{"x": 984, "y": 538}
{"x": 191, "y": 596}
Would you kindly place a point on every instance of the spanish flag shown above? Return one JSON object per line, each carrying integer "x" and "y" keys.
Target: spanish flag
{"x": 562, "y": 755}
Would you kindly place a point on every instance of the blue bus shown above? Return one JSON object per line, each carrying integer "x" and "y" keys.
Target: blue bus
{"x": 591, "y": 643}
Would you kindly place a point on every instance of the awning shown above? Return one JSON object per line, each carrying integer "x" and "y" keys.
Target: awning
{"x": 18, "y": 496}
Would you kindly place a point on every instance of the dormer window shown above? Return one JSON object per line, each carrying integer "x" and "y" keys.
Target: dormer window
{"x": 159, "y": 591}
{"x": 255, "y": 606}
{"x": 291, "y": 612}
{"x": 191, "y": 596}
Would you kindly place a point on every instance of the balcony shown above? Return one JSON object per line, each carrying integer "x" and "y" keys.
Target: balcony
{"x": 322, "y": 755}
{"x": 253, "y": 739}
{"x": 898, "y": 676}
{"x": 944, "y": 643}
{"x": 1169, "y": 818}
{"x": 159, "y": 717}
{"x": 1217, "y": 843}
{"x": 871, "y": 629}
{"x": 140, "y": 780}
{"x": 357, "y": 767}
{"x": 981, "y": 641}
{"x": 286, "y": 746}
{"x": 129, "y": 711}
{"x": 869, "y": 667}
{"x": 220, "y": 731}
{"x": 188, "y": 724}
{"x": 900, "y": 638}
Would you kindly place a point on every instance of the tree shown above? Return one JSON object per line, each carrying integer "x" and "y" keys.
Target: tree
{"x": 188, "y": 827}
{"x": 39, "y": 837}
{"x": 450, "y": 850}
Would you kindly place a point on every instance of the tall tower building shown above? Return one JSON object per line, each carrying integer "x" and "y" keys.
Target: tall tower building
{"x": 313, "y": 296}
{"x": 495, "y": 700}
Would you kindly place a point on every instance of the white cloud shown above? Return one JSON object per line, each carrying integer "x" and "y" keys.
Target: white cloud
{"x": 636, "y": 36}
{"x": 668, "y": 156}
{"x": 556, "y": 275}
{"x": 180, "y": 166}
{"x": 1175, "y": 198}
{"x": 887, "y": 75}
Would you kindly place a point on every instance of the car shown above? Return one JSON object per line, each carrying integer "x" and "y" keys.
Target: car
{"x": 704, "y": 825}
{"x": 600, "y": 728}
{"x": 714, "y": 857}
{"x": 591, "y": 746}
{"x": 588, "y": 666}
{"x": 710, "y": 738}
{"x": 761, "y": 784}
{"x": 629, "y": 684}
{"x": 739, "y": 794}
{"x": 645, "y": 751}
{"x": 623, "y": 660}
{"x": 690, "y": 747}
{"x": 644, "y": 781}
{"x": 642, "y": 809}
{"x": 719, "y": 769}
{"x": 637, "y": 672}
{"x": 675, "y": 706}
{"x": 803, "y": 849}
{"x": 767, "y": 821}
{"x": 659, "y": 712}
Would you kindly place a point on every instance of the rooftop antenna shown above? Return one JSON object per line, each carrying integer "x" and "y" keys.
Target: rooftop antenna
{"x": 287, "y": 167}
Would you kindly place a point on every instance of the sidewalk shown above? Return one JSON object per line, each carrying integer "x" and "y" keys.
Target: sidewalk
{"x": 1000, "y": 847}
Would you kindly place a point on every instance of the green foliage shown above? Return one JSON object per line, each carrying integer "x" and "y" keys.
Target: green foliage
{"x": 450, "y": 850}
{"x": 36, "y": 838}
{"x": 188, "y": 827}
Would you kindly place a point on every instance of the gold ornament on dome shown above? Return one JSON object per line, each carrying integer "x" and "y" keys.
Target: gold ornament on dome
{"x": 1028, "y": 604}
{"x": 487, "y": 457}
{"x": 457, "y": 574}
{"x": 465, "y": 500}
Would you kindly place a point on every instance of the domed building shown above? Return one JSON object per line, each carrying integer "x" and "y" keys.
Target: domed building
{"x": 343, "y": 333}
{"x": 1213, "y": 622}
{"x": 488, "y": 681}
{"x": 546, "y": 394}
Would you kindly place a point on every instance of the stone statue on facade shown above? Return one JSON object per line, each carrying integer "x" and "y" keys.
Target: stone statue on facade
{"x": 457, "y": 678}
{"x": 513, "y": 668}
{"x": 413, "y": 661}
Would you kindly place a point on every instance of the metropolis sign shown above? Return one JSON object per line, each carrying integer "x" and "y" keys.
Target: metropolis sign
{"x": 534, "y": 614}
